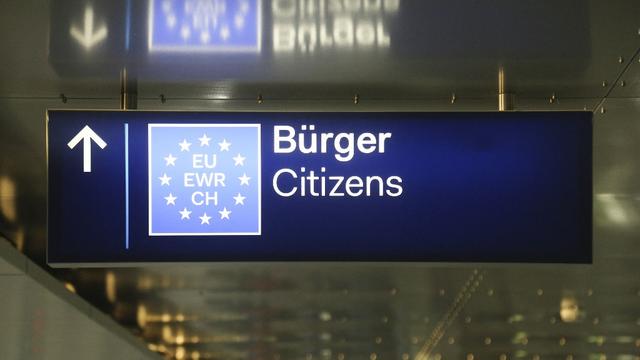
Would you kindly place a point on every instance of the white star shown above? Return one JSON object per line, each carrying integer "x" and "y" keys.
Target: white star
{"x": 224, "y": 145}
{"x": 239, "y": 160}
{"x": 244, "y": 179}
{"x": 166, "y": 6}
{"x": 204, "y": 219}
{"x": 184, "y": 145}
{"x": 205, "y": 36}
{"x": 185, "y": 214}
{"x": 171, "y": 21}
{"x": 238, "y": 21}
{"x": 239, "y": 199}
{"x": 171, "y": 160}
{"x": 224, "y": 214}
{"x": 204, "y": 140}
{"x": 225, "y": 33}
{"x": 171, "y": 199}
{"x": 164, "y": 179}
{"x": 185, "y": 32}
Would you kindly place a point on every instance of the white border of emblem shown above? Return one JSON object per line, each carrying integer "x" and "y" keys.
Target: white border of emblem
{"x": 150, "y": 171}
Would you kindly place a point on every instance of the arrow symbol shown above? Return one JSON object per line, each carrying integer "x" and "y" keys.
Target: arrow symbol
{"x": 86, "y": 135}
{"x": 88, "y": 37}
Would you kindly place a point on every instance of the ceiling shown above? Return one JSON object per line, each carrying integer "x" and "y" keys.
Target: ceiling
{"x": 43, "y": 319}
{"x": 428, "y": 55}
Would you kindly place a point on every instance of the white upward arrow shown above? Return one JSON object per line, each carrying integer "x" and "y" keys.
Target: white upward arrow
{"x": 86, "y": 135}
{"x": 88, "y": 37}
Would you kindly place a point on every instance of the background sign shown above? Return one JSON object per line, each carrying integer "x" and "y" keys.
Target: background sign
{"x": 321, "y": 40}
{"x": 184, "y": 186}
{"x": 209, "y": 26}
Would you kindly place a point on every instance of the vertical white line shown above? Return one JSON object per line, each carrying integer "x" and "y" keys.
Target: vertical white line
{"x": 259, "y": 127}
{"x": 150, "y": 28}
{"x": 149, "y": 170}
{"x": 259, "y": 18}
{"x": 86, "y": 154}
{"x": 126, "y": 184}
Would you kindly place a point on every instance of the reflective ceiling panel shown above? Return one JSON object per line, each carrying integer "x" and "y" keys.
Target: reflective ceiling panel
{"x": 318, "y": 55}
{"x": 628, "y": 85}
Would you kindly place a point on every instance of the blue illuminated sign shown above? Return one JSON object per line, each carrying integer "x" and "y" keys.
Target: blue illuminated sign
{"x": 135, "y": 187}
{"x": 205, "y": 25}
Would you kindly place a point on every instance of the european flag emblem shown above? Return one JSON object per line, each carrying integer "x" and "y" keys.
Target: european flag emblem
{"x": 204, "y": 179}
{"x": 204, "y": 25}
